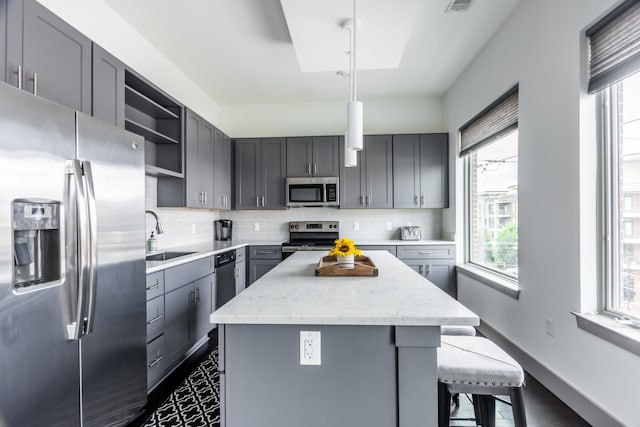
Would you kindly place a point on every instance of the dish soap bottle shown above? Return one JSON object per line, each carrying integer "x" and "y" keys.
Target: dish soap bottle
{"x": 152, "y": 243}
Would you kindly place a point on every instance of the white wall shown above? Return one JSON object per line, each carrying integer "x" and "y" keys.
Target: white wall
{"x": 541, "y": 47}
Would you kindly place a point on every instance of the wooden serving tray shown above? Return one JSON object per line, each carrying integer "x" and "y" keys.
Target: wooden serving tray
{"x": 363, "y": 266}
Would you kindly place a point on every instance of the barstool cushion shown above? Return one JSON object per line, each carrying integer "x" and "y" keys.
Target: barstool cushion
{"x": 476, "y": 362}
{"x": 457, "y": 330}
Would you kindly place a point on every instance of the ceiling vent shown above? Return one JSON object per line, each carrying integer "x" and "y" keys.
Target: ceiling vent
{"x": 458, "y": 5}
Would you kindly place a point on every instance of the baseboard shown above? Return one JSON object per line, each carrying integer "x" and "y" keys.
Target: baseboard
{"x": 572, "y": 397}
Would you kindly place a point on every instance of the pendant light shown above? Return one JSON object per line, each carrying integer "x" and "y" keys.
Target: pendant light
{"x": 354, "y": 107}
{"x": 350, "y": 156}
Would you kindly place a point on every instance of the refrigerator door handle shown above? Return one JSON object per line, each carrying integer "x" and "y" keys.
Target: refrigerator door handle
{"x": 74, "y": 168}
{"x": 93, "y": 247}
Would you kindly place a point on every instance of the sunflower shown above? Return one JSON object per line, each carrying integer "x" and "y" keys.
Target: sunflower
{"x": 344, "y": 247}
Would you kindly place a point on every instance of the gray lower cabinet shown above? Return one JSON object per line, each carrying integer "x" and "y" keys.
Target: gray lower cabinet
{"x": 222, "y": 171}
{"x": 390, "y": 248}
{"x": 435, "y": 262}
{"x": 179, "y": 305}
{"x": 108, "y": 87}
{"x": 370, "y": 184}
{"x": 46, "y": 56}
{"x": 263, "y": 259}
{"x": 261, "y": 170}
{"x": 420, "y": 172}
{"x": 313, "y": 156}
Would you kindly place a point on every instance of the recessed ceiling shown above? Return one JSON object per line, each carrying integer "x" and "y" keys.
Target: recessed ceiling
{"x": 242, "y": 52}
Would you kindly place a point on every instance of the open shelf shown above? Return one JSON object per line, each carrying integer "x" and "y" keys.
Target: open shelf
{"x": 148, "y": 133}
{"x": 147, "y": 105}
{"x": 157, "y": 171}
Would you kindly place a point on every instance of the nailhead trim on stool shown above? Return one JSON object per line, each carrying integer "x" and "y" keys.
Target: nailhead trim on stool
{"x": 470, "y": 364}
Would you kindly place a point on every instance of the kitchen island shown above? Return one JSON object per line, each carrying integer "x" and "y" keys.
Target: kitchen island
{"x": 377, "y": 352}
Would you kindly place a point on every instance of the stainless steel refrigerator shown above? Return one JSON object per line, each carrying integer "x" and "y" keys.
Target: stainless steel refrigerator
{"x": 72, "y": 267}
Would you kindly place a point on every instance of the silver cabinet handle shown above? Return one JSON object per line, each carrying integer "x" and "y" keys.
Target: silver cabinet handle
{"x": 155, "y": 362}
{"x": 426, "y": 274}
{"x": 308, "y": 168}
{"x": 421, "y": 200}
{"x": 154, "y": 286}
{"x": 258, "y": 201}
{"x": 19, "y": 73}
{"x": 34, "y": 79}
{"x": 93, "y": 245}
{"x": 425, "y": 253}
{"x": 368, "y": 200}
{"x": 362, "y": 200}
{"x": 415, "y": 200}
{"x": 197, "y": 295}
{"x": 315, "y": 168}
{"x": 154, "y": 320}
{"x": 263, "y": 201}
{"x": 421, "y": 269}
{"x": 206, "y": 197}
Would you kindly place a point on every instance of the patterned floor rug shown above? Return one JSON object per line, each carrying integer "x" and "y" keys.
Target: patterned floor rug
{"x": 195, "y": 403}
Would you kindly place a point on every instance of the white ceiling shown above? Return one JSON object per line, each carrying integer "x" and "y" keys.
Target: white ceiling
{"x": 241, "y": 51}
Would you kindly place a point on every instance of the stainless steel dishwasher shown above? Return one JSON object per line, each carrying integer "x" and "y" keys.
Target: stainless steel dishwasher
{"x": 225, "y": 277}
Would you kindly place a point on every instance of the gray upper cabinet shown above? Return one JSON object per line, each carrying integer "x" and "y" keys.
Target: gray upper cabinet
{"x": 313, "y": 156}
{"x": 420, "y": 171}
{"x": 3, "y": 40}
{"x": 47, "y": 56}
{"x": 260, "y": 173}
{"x": 370, "y": 184}
{"x": 199, "y": 139}
{"x": 108, "y": 87}
{"x": 222, "y": 171}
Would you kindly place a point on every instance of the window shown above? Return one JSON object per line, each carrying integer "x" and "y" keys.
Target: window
{"x": 614, "y": 74}
{"x": 489, "y": 143}
{"x": 621, "y": 182}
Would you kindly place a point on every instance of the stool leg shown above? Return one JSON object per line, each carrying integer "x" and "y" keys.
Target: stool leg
{"x": 487, "y": 410}
{"x": 444, "y": 405}
{"x": 476, "y": 409}
{"x": 517, "y": 406}
{"x": 456, "y": 399}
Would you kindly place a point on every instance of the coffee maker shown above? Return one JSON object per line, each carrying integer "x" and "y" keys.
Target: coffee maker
{"x": 223, "y": 229}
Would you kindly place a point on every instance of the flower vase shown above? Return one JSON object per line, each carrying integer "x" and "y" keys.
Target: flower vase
{"x": 346, "y": 261}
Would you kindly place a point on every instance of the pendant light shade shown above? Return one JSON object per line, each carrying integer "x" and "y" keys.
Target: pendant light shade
{"x": 350, "y": 156}
{"x": 354, "y": 126}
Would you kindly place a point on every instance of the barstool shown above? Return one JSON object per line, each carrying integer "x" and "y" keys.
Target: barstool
{"x": 475, "y": 365}
{"x": 457, "y": 330}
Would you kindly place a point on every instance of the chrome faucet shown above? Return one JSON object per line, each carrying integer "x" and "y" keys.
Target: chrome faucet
{"x": 159, "y": 229}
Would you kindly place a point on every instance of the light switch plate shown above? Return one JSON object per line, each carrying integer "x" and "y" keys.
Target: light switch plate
{"x": 310, "y": 348}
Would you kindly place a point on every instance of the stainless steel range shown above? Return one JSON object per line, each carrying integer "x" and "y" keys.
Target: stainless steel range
{"x": 310, "y": 236}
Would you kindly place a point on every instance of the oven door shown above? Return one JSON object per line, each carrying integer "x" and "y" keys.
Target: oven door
{"x": 309, "y": 194}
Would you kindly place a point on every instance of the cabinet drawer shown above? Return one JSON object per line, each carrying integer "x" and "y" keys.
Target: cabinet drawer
{"x": 391, "y": 249}
{"x": 180, "y": 275}
{"x": 241, "y": 254}
{"x": 265, "y": 252}
{"x": 155, "y": 317}
{"x": 425, "y": 251}
{"x": 155, "y": 284}
{"x": 155, "y": 361}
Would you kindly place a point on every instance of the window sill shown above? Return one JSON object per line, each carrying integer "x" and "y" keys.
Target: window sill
{"x": 500, "y": 284}
{"x": 605, "y": 327}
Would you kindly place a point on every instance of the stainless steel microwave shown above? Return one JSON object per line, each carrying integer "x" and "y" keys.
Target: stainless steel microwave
{"x": 313, "y": 191}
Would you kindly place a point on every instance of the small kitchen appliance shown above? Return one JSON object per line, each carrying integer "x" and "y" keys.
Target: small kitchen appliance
{"x": 410, "y": 232}
{"x": 310, "y": 236}
{"x": 223, "y": 229}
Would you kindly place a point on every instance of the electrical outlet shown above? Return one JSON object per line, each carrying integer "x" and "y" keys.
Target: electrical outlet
{"x": 193, "y": 229}
{"x": 389, "y": 226}
{"x": 310, "y": 347}
{"x": 548, "y": 326}
{"x": 356, "y": 226}
{"x": 256, "y": 226}
{"x": 408, "y": 224}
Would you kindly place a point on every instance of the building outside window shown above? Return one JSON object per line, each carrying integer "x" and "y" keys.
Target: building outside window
{"x": 489, "y": 144}
{"x": 621, "y": 157}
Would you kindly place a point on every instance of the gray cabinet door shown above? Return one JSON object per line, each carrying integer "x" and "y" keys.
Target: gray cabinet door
{"x": 378, "y": 151}
{"x": 260, "y": 267}
{"x": 206, "y": 162}
{"x": 406, "y": 171}
{"x": 241, "y": 276}
{"x": 222, "y": 171}
{"x": 273, "y": 166}
{"x": 3, "y": 41}
{"x": 434, "y": 191}
{"x": 107, "y": 87}
{"x": 440, "y": 273}
{"x": 325, "y": 156}
{"x": 351, "y": 182}
{"x": 178, "y": 313}
{"x": 192, "y": 164}
{"x": 299, "y": 157}
{"x": 203, "y": 289}
{"x": 247, "y": 153}
{"x": 55, "y": 57}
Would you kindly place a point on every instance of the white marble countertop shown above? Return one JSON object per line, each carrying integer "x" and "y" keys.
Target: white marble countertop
{"x": 360, "y": 242}
{"x": 292, "y": 294}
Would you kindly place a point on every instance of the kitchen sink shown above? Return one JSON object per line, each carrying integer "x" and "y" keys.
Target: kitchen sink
{"x": 163, "y": 256}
